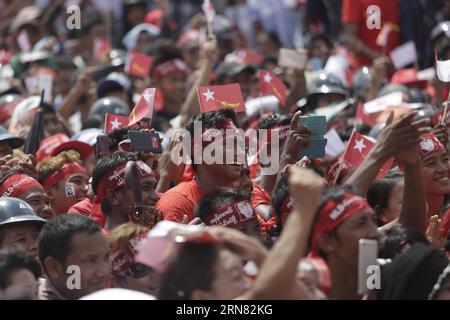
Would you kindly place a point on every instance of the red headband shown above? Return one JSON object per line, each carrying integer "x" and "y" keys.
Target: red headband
{"x": 282, "y": 132}
{"x": 233, "y": 215}
{"x": 116, "y": 178}
{"x": 175, "y": 66}
{"x": 210, "y": 135}
{"x": 333, "y": 213}
{"x": 17, "y": 184}
{"x": 429, "y": 144}
{"x": 123, "y": 258}
{"x": 66, "y": 170}
{"x": 333, "y": 169}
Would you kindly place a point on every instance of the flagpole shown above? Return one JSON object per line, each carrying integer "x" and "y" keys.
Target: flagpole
{"x": 341, "y": 160}
{"x": 445, "y": 109}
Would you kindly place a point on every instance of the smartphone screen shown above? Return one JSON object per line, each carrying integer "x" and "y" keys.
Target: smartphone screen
{"x": 145, "y": 141}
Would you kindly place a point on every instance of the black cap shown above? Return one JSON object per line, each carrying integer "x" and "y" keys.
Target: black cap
{"x": 13, "y": 141}
{"x": 14, "y": 210}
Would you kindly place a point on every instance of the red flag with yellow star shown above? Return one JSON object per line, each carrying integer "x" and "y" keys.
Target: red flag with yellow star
{"x": 144, "y": 107}
{"x": 271, "y": 84}
{"x": 138, "y": 64}
{"x": 221, "y": 97}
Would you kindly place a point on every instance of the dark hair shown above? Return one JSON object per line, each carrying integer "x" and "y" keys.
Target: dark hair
{"x": 380, "y": 191}
{"x": 192, "y": 268}
{"x": 279, "y": 195}
{"x": 212, "y": 119}
{"x": 273, "y": 120}
{"x": 106, "y": 164}
{"x": 14, "y": 260}
{"x": 217, "y": 199}
{"x": 56, "y": 236}
{"x": 47, "y": 108}
{"x": 397, "y": 239}
{"x": 90, "y": 21}
{"x": 165, "y": 51}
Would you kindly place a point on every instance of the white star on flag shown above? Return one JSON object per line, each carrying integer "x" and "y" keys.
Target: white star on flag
{"x": 209, "y": 94}
{"x": 359, "y": 145}
{"x": 267, "y": 78}
{"x": 147, "y": 96}
{"x": 116, "y": 124}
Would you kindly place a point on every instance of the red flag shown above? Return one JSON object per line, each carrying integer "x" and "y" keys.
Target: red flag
{"x": 361, "y": 115}
{"x": 271, "y": 84}
{"x": 144, "y": 107}
{"x": 220, "y": 97}
{"x": 101, "y": 48}
{"x": 113, "y": 122}
{"x": 138, "y": 64}
{"x": 249, "y": 56}
{"x": 358, "y": 147}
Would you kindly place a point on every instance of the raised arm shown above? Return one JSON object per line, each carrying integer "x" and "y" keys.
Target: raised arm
{"x": 394, "y": 138}
{"x": 277, "y": 276}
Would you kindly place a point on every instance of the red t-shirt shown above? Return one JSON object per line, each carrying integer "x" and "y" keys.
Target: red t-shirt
{"x": 354, "y": 11}
{"x": 180, "y": 200}
{"x": 259, "y": 197}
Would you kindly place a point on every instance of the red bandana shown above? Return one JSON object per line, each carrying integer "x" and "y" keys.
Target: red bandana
{"x": 116, "y": 178}
{"x": 123, "y": 259}
{"x": 429, "y": 144}
{"x": 17, "y": 184}
{"x": 233, "y": 215}
{"x": 333, "y": 213}
{"x": 175, "y": 66}
{"x": 66, "y": 171}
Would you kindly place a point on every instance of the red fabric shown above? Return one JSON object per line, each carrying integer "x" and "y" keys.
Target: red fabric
{"x": 358, "y": 147}
{"x": 97, "y": 214}
{"x": 445, "y": 226}
{"x": 261, "y": 197}
{"x": 139, "y": 64}
{"x": 335, "y": 212}
{"x": 408, "y": 77}
{"x": 221, "y": 97}
{"x": 154, "y": 17}
{"x": 83, "y": 207}
{"x": 116, "y": 178}
{"x": 429, "y": 144}
{"x": 62, "y": 174}
{"x": 271, "y": 84}
{"x": 179, "y": 201}
{"x": 233, "y": 215}
{"x": 144, "y": 107}
{"x": 113, "y": 122}
{"x": 123, "y": 258}
{"x": 189, "y": 173}
{"x": 17, "y": 184}
{"x": 354, "y": 11}
{"x": 171, "y": 67}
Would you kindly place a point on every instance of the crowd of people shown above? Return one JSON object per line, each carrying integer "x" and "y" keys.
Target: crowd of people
{"x": 93, "y": 207}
